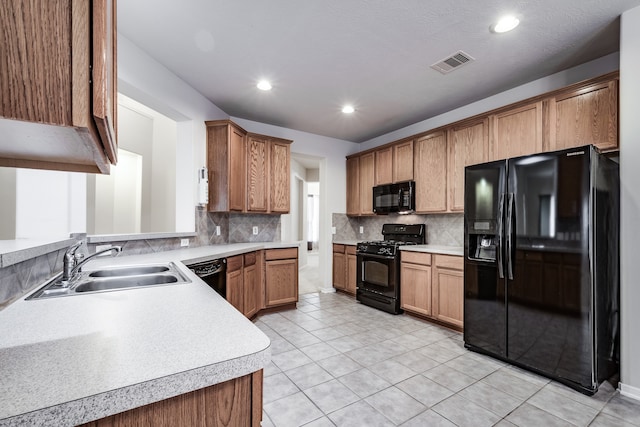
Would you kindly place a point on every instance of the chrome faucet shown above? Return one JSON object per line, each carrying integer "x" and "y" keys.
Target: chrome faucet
{"x": 71, "y": 266}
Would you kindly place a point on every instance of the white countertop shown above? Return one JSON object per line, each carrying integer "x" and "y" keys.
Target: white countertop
{"x": 69, "y": 360}
{"x": 346, "y": 242}
{"x": 435, "y": 249}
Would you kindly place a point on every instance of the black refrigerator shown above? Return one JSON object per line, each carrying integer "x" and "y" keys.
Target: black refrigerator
{"x": 541, "y": 272}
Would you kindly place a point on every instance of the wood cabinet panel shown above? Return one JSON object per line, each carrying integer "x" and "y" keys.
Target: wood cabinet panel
{"x": 287, "y": 253}
{"x": 280, "y": 176}
{"x": 236, "y": 402}
{"x": 352, "y": 267}
{"x": 59, "y": 85}
{"x": 415, "y": 257}
{"x": 415, "y": 288}
{"x": 384, "y": 166}
{"x": 468, "y": 145}
{"x": 448, "y": 290}
{"x": 403, "y": 161}
{"x": 367, "y": 180}
{"x": 339, "y": 269}
{"x": 257, "y": 173}
{"x": 431, "y": 173}
{"x": 585, "y": 116}
{"x": 353, "y": 186}
{"x": 282, "y": 282}
{"x": 516, "y": 132}
{"x": 235, "y": 282}
{"x": 226, "y": 164}
{"x": 251, "y": 290}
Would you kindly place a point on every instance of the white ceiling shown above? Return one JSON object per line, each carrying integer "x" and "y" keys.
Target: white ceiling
{"x": 374, "y": 54}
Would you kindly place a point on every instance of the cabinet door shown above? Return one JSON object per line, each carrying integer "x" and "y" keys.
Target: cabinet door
{"x": 516, "y": 132}
{"x": 448, "y": 289}
{"x": 280, "y": 173}
{"x": 367, "y": 179}
{"x": 339, "y": 267}
{"x": 236, "y": 170}
{"x": 235, "y": 283}
{"x": 415, "y": 288}
{"x": 353, "y": 186}
{"x": 257, "y": 174}
{"x": 104, "y": 70}
{"x": 281, "y": 281}
{"x": 431, "y": 173}
{"x": 250, "y": 277}
{"x": 585, "y": 116}
{"x": 384, "y": 166}
{"x": 468, "y": 145}
{"x": 403, "y": 161}
{"x": 352, "y": 268}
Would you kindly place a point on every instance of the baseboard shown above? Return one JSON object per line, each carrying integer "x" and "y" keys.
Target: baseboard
{"x": 629, "y": 391}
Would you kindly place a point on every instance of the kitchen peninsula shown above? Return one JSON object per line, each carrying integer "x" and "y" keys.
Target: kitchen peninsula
{"x": 75, "y": 359}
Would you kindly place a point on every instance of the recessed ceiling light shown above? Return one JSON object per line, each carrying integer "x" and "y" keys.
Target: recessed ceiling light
{"x": 506, "y": 23}
{"x": 264, "y": 85}
{"x": 348, "y": 109}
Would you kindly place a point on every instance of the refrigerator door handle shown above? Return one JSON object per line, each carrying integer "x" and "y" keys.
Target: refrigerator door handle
{"x": 510, "y": 213}
{"x": 500, "y": 235}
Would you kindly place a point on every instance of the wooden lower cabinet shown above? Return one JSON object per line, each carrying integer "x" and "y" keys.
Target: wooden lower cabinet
{"x": 339, "y": 267}
{"x": 233, "y": 403}
{"x": 352, "y": 268}
{"x": 432, "y": 286}
{"x": 448, "y": 289}
{"x": 235, "y": 282}
{"x": 252, "y": 284}
{"x": 415, "y": 282}
{"x": 281, "y": 276}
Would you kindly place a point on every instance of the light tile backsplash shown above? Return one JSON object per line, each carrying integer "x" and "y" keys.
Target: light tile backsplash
{"x": 442, "y": 229}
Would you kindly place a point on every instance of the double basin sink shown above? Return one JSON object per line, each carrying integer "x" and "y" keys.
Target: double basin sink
{"x": 111, "y": 279}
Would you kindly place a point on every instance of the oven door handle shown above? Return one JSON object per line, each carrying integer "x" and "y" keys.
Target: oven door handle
{"x": 389, "y": 257}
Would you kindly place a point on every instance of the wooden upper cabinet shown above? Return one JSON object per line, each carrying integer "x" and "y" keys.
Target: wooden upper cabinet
{"x": 279, "y": 201}
{"x": 468, "y": 145}
{"x": 384, "y": 166}
{"x": 257, "y": 173}
{"x": 403, "y": 161}
{"x": 516, "y": 132}
{"x": 226, "y": 160}
{"x": 59, "y": 85}
{"x": 353, "y": 186}
{"x": 367, "y": 180}
{"x": 431, "y": 172}
{"x": 585, "y": 116}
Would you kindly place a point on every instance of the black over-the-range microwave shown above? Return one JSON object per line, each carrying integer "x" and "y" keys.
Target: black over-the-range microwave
{"x": 394, "y": 198}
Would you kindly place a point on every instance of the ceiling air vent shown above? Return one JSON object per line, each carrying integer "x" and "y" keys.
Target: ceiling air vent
{"x": 452, "y": 62}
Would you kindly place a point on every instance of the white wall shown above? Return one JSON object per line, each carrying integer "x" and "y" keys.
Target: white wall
{"x": 147, "y": 81}
{"x": 630, "y": 201}
{"x": 7, "y": 203}
{"x": 595, "y": 68}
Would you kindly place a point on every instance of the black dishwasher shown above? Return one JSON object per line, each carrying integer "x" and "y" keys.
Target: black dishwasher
{"x": 213, "y": 273}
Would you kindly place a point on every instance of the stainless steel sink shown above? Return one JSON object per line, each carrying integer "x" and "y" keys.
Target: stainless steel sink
{"x": 130, "y": 271}
{"x": 113, "y": 279}
{"x": 125, "y": 282}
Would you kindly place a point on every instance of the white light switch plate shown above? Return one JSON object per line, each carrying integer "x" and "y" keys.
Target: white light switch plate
{"x": 184, "y": 242}
{"x": 255, "y": 230}
{"x": 333, "y": 230}
{"x": 361, "y": 229}
{"x": 217, "y": 230}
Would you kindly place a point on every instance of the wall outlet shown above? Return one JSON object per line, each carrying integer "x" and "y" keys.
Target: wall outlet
{"x": 361, "y": 229}
{"x": 217, "y": 230}
{"x": 102, "y": 248}
{"x": 184, "y": 242}
{"x": 255, "y": 230}
{"x": 333, "y": 230}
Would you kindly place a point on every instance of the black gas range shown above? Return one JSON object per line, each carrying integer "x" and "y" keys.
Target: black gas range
{"x": 378, "y": 275}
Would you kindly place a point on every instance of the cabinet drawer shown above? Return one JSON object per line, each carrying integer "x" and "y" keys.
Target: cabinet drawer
{"x": 415, "y": 257}
{"x": 249, "y": 259}
{"x": 338, "y": 249}
{"x": 272, "y": 254}
{"x": 449, "y": 261}
{"x": 351, "y": 250}
{"x": 234, "y": 263}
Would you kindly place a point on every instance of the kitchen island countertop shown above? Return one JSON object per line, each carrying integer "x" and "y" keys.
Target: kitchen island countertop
{"x": 73, "y": 359}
